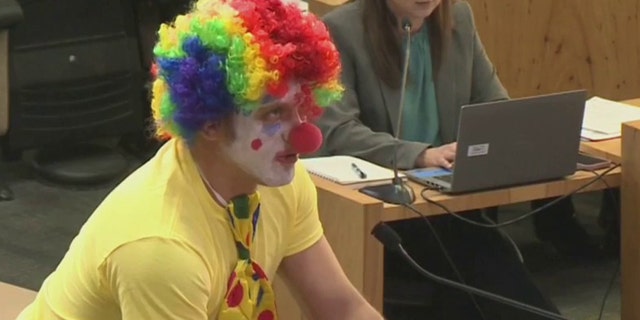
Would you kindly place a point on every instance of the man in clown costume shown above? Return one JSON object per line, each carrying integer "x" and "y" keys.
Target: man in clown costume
{"x": 199, "y": 231}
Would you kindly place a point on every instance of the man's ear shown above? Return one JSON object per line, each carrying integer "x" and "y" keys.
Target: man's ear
{"x": 219, "y": 130}
{"x": 210, "y": 130}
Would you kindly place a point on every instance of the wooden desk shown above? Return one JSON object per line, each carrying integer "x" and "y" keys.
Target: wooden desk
{"x": 13, "y": 299}
{"x": 627, "y": 152}
{"x": 348, "y": 217}
{"x": 630, "y": 220}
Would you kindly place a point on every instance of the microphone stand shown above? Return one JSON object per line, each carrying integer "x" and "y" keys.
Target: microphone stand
{"x": 391, "y": 241}
{"x": 396, "y": 192}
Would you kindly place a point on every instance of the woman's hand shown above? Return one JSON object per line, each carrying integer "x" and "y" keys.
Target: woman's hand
{"x": 441, "y": 156}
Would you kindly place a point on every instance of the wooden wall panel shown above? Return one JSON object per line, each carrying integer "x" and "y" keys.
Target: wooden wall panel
{"x": 542, "y": 46}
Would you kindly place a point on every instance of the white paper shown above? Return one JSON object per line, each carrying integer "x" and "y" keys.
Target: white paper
{"x": 589, "y": 135}
{"x": 603, "y": 118}
{"x": 338, "y": 169}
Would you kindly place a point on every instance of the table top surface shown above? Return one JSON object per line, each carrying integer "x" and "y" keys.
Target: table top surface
{"x": 478, "y": 199}
{"x": 609, "y": 149}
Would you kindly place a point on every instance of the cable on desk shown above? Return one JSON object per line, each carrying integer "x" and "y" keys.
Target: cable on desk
{"x": 392, "y": 241}
{"x": 524, "y": 216}
{"x": 447, "y": 256}
{"x": 506, "y": 236}
{"x": 599, "y": 177}
{"x": 609, "y": 190}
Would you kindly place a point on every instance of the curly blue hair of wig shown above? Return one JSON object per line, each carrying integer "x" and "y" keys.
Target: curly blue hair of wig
{"x": 224, "y": 56}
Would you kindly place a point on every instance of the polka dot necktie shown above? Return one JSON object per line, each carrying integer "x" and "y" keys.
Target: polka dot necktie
{"x": 249, "y": 294}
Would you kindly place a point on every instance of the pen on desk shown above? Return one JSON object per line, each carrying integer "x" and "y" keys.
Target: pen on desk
{"x": 359, "y": 172}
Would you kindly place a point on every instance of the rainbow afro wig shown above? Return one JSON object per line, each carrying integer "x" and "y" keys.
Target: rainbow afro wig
{"x": 227, "y": 56}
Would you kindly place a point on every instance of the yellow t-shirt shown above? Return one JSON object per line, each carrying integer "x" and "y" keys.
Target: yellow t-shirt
{"x": 159, "y": 247}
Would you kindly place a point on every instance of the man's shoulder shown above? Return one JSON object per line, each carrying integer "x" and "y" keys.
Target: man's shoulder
{"x": 147, "y": 249}
{"x": 154, "y": 264}
{"x": 150, "y": 182}
{"x": 146, "y": 203}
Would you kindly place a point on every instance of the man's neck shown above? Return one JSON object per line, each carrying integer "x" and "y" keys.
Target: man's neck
{"x": 221, "y": 175}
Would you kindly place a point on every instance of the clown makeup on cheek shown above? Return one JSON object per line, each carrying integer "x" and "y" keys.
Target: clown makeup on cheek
{"x": 256, "y": 144}
{"x": 268, "y": 140}
{"x": 271, "y": 129}
{"x": 259, "y": 147}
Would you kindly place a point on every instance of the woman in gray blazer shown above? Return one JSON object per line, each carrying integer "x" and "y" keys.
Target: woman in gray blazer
{"x": 449, "y": 68}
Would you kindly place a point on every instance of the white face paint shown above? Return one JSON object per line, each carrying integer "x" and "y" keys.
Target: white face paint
{"x": 260, "y": 146}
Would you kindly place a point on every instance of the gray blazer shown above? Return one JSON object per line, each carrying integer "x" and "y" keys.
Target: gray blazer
{"x": 362, "y": 123}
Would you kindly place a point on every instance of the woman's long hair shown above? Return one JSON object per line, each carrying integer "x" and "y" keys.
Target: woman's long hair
{"x": 380, "y": 27}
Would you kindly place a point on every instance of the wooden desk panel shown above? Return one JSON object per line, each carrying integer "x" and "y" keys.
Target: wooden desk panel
{"x": 485, "y": 199}
{"x": 474, "y": 200}
{"x": 630, "y": 221}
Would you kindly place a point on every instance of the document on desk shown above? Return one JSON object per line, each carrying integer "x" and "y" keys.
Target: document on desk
{"x": 603, "y": 118}
{"x": 347, "y": 169}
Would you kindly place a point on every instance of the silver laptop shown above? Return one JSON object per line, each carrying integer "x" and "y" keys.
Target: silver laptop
{"x": 512, "y": 142}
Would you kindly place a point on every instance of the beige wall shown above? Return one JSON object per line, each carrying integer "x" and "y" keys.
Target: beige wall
{"x": 541, "y": 46}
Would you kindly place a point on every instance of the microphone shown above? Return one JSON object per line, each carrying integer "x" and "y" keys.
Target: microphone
{"x": 406, "y": 24}
{"x": 392, "y": 241}
{"x": 396, "y": 192}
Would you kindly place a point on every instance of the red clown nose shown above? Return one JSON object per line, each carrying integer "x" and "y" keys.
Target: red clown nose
{"x": 305, "y": 138}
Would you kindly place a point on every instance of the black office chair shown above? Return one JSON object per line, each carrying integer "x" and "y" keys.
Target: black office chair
{"x": 10, "y": 14}
{"x": 149, "y": 15}
{"x": 75, "y": 77}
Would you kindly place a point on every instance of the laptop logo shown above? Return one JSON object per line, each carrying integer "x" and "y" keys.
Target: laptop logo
{"x": 477, "y": 150}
